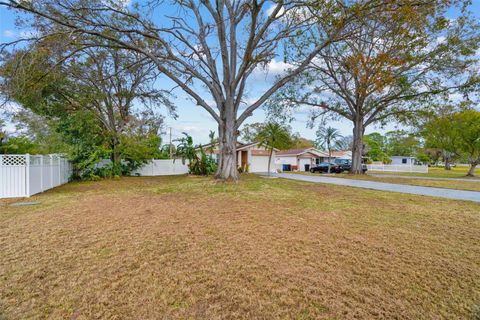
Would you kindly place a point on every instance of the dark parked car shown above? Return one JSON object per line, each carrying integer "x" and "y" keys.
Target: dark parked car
{"x": 346, "y": 165}
{"x": 323, "y": 167}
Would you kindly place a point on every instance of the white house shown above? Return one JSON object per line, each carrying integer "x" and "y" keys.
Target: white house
{"x": 250, "y": 157}
{"x": 403, "y": 160}
{"x": 299, "y": 159}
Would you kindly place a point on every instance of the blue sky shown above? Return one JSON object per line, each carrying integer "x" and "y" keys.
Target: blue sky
{"x": 194, "y": 119}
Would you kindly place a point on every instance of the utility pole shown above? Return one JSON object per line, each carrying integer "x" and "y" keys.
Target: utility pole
{"x": 170, "y": 145}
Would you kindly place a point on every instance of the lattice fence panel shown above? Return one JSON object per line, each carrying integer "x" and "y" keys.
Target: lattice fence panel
{"x": 13, "y": 160}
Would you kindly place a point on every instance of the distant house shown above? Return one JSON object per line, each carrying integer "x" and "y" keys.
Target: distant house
{"x": 403, "y": 160}
{"x": 299, "y": 159}
{"x": 250, "y": 157}
{"x": 345, "y": 154}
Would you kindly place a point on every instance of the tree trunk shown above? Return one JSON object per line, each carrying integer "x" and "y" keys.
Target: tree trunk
{"x": 446, "y": 158}
{"x": 357, "y": 149}
{"x": 270, "y": 160}
{"x": 115, "y": 157}
{"x": 471, "y": 170}
{"x": 473, "y": 164}
{"x": 227, "y": 165}
{"x": 329, "y": 159}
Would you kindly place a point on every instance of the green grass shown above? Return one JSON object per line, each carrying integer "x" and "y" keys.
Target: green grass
{"x": 191, "y": 248}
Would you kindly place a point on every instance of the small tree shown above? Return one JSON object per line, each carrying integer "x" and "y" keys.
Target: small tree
{"x": 467, "y": 127}
{"x": 327, "y": 138}
{"x": 375, "y": 147}
{"x": 440, "y": 133}
{"x": 199, "y": 163}
{"x": 274, "y": 136}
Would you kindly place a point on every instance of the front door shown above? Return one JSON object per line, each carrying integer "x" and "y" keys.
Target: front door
{"x": 244, "y": 160}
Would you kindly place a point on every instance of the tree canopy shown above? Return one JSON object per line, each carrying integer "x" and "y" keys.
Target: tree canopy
{"x": 398, "y": 62}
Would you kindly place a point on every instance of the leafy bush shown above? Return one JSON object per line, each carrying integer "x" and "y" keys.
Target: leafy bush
{"x": 199, "y": 162}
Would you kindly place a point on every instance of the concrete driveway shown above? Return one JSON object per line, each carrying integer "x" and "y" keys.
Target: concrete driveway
{"x": 401, "y": 188}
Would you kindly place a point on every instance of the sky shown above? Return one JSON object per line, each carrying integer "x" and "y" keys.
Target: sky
{"x": 194, "y": 120}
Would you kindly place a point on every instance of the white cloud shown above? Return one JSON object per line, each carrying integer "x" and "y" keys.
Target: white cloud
{"x": 271, "y": 70}
{"x": 8, "y": 33}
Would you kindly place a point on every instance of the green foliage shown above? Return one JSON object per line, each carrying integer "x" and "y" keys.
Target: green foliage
{"x": 327, "y": 138}
{"x": 199, "y": 163}
{"x": 394, "y": 143}
{"x": 375, "y": 147}
{"x": 257, "y": 132}
{"x": 299, "y": 142}
{"x": 84, "y": 107}
{"x": 274, "y": 136}
{"x": 18, "y": 145}
{"x": 135, "y": 150}
{"x": 467, "y": 126}
{"x": 401, "y": 143}
{"x": 457, "y": 134}
{"x": 440, "y": 133}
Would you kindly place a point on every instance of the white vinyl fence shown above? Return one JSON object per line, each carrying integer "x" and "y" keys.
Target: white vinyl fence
{"x": 162, "y": 168}
{"x": 23, "y": 175}
{"x": 397, "y": 168}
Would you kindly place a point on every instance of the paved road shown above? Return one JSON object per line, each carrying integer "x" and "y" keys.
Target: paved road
{"x": 402, "y": 188}
{"x": 422, "y": 178}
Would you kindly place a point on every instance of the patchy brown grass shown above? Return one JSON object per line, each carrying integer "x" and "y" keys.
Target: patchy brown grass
{"x": 190, "y": 248}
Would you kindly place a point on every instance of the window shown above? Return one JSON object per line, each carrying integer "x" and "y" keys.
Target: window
{"x": 404, "y": 160}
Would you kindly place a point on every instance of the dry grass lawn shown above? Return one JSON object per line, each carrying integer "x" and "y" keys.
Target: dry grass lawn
{"x": 189, "y": 248}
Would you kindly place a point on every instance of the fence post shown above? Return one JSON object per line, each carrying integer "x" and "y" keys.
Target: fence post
{"x": 41, "y": 174}
{"x": 60, "y": 180}
{"x": 27, "y": 175}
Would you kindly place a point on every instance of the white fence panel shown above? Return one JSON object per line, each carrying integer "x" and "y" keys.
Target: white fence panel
{"x": 168, "y": 167}
{"x": 25, "y": 175}
{"x": 12, "y": 181}
{"x": 397, "y": 168}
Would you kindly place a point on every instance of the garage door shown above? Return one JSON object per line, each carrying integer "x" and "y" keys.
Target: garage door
{"x": 302, "y": 163}
{"x": 259, "y": 164}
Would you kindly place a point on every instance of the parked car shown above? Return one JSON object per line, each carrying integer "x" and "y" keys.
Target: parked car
{"x": 323, "y": 167}
{"x": 346, "y": 165}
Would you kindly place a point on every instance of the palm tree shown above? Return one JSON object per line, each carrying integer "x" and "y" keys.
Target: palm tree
{"x": 326, "y": 138}
{"x": 274, "y": 136}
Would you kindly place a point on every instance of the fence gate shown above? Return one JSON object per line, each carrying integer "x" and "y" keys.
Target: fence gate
{"x": 23, "y": 175}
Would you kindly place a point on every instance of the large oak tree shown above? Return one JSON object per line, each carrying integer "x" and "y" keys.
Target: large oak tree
{"x": 208, "y": 48}
{"x": 395, "y": 65}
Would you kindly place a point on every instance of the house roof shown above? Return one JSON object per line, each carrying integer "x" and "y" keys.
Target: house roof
{"x": 298, "y": 152}
{"x": 403, "y": 157}
{"x": 341, "y": 153}
{"x": 240, "y": 145}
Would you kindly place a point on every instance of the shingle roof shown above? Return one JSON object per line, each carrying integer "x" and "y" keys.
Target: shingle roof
{"x": 337, "y": 154}
{"x": 292, "y": 152}
{"x": 297, "y": 152}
